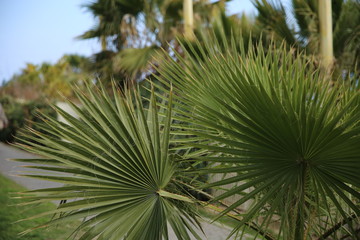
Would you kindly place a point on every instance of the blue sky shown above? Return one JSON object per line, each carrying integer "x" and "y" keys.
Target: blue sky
{"x": 36, "y": 31}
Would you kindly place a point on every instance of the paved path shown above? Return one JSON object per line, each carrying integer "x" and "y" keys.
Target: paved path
{"x": 11, "y": 168}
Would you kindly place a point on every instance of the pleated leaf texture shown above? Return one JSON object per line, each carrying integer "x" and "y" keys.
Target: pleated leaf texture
{"x": 116, "y": 166}
{"x": 284, "y": 135}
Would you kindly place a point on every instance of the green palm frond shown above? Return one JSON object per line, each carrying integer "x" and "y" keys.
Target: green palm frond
{"x": 273, "y": 17}
{"x": 305, "y": 13}
{"x": 288, "y": 137}
{"x": 306, "y": 16}
{"x": 346, "y": 35}
{"x": 93, "y": 33}
{"x": 117, "y": 168}
{"x": 135, "y": 60}
{"x": 301, "y": 29}
{"x": 284, "y": 137}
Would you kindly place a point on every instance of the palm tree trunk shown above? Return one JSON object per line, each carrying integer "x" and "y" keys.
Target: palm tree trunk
{"x": 103, "y": 43}
{"x": 188, "y": 19}
{"x": 103, "y": 38}
{"x": 300, "y": 211}
{"x": 326, "y": 35}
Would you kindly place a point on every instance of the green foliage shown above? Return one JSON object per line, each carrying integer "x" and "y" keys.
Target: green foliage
{"x": 283, "y": 135}
{"x": 118, "y": 168}
{"x": 49, "y": 80}
{"x": 135, "y": 60}
{"x": 289, "y": 138}
{"x": 21, "y": 115}
{"x": 131, "y": 33}
{"x": 11, "y": 211}
{"x": 302, "y": 31}
{"x": 347, "y": 35}
{"x": 15, "y": 114}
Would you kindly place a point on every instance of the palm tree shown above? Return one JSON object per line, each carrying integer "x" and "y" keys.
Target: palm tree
{"x": 188, "y": 19}
{"x": 138, "y": 171}
{"x": 325, "y": 34}
{"x": 115, "y": 21}
{"x": 301, "y": 29}
{"x": 256, "y": 112}
{"x": 140, "y": 30}
{"x": 288, "y": 137}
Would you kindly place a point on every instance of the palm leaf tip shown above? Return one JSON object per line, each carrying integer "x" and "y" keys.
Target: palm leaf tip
{"x": 116, "y": 161}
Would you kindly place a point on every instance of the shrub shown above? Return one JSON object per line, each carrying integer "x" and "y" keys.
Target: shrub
{"x": 21, "y": 115}
{"x": 15, "y": 113}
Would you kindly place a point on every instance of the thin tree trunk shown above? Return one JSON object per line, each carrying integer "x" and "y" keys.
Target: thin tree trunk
{"x": 188, "y": 19}
{"x": 103, "y": 38}
{"x": 326, "y": 35}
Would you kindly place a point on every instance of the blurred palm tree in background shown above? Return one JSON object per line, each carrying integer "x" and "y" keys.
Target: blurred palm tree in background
{"x": 298, "y": 25}
{"x": 132, "y": 33}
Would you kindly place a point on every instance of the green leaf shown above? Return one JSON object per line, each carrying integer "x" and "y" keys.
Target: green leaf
{"x": 117, "y": 167}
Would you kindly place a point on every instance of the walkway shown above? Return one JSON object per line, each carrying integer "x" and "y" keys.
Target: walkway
{"x": 10, "y": 169}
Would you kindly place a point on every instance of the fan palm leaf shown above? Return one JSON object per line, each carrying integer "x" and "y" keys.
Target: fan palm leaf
{"x": 117, "y": 168}
{"x": 288, "y": 137}
{"x": 135, "y": 60}
{"x": 273, "y": 17}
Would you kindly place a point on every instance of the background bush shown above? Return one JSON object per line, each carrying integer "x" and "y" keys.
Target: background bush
{"x": 21, "y": 114}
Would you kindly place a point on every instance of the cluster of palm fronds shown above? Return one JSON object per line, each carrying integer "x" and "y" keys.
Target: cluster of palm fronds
{"x": 134, "y": 31}
{"x": 270, "y": 121}
{"x": 298, "y": 25}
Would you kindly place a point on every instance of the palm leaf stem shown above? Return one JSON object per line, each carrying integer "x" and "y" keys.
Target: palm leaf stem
{"x": 337, "y": 226}
{"x": 223, "y": 206}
